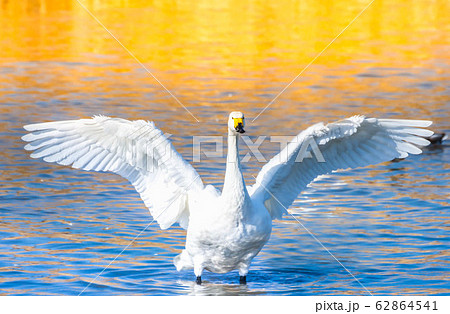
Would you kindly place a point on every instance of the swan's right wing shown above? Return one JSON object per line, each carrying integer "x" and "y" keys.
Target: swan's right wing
{"x": 354, "y": 142}
{"x": 136, "y": 150}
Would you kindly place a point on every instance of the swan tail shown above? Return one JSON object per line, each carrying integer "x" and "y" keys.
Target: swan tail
{"x": 183, "y": 261}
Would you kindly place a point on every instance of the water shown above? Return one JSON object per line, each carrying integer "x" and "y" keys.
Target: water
{"x": 387, "y": 224}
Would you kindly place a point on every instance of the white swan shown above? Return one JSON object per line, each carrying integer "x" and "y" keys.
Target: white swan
{"x": 225, "y": 231}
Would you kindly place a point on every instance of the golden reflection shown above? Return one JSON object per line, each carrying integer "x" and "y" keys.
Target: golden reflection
{"x": 225, "y": 39}
{"x": 209, "y": 53}
{"x": 221, "y": 35}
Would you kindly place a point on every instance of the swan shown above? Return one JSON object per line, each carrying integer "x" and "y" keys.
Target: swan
{"x": 225, "y": 230}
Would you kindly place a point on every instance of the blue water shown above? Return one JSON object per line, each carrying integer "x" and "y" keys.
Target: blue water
{"x": 60, "y": 227}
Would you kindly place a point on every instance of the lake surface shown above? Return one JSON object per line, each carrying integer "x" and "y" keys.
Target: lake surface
{"x": 388, "y": 224}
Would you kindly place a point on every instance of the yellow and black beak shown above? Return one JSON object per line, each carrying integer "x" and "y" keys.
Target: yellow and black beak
{"x": 239, "y": 125}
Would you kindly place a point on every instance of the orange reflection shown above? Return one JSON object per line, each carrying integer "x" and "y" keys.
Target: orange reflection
{"x": 205, "y": 48}
{"x": 201, "y": 49}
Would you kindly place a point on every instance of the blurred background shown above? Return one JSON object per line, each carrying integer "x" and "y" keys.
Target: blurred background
{"x": 387, "y": 223}
{"x": 218, "y": 55}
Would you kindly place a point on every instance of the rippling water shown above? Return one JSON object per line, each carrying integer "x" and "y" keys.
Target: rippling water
{"x": 387, "y": 224}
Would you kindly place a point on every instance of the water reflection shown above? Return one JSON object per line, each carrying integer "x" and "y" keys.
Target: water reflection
{"x": 215, "y": 289}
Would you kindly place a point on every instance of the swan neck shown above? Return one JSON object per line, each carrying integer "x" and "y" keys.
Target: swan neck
{"x": 233, "y": 150}
{"x": 234, "y": 180}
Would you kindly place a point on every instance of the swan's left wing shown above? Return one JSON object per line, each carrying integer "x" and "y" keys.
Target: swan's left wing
{"x": 136, "y": 150}
{"x": 354, "y": 142}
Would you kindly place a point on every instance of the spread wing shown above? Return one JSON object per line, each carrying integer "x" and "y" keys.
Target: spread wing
{"x": 354, "y": 142}
{"x": 136, "y": 150}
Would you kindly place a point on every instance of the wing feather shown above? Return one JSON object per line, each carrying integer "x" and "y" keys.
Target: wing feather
{"x": 136, "y": 150}
{"x": 354, "y": 142}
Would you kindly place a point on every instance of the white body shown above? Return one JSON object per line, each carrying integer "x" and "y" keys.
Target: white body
{"x": 223, "y": 238}
{"x": 226, "y": 230}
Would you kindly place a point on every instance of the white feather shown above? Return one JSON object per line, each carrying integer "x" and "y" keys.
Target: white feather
{"x": 109, "y": 144}
{"x": 353, "y": 142}
{"x": 224, "y": 231}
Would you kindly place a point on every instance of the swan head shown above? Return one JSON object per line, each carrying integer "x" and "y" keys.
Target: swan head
{"x": 236, "y": 122}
